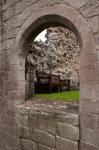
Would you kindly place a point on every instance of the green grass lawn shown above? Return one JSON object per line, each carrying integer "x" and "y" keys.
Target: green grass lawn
{"x": 65, "y": 96}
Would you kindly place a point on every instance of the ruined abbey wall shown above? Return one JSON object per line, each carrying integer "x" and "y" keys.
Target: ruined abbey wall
{"x": 48, "y": 125}
{"x": 59, "y": 54}
{"x": 18, "y": 19}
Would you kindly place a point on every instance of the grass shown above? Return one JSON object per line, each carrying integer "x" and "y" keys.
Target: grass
{"x": 65, "y": 96}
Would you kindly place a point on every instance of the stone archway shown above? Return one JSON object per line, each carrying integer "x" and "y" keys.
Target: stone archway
{"x": 70, "y": 18}
{"x": 33, "y": 16}
{"x": 36, "y": 22}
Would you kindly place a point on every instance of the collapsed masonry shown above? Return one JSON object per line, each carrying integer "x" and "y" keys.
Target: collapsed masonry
{"x": 59, "y": 54}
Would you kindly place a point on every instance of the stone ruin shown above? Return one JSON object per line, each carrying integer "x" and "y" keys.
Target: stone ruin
{"x": 18, "y": 20}
{"x": 59, "y": 54}
{"x": 48, "y": 125}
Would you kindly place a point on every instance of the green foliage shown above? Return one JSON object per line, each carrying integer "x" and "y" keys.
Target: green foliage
{"x": 65, "y": 96}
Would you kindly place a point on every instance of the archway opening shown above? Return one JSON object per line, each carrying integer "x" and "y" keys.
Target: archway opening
{"x": 51, "y": 23}
{"x": 83, "y": 33}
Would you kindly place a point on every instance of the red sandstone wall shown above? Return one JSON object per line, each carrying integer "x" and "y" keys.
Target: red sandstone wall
{"x": 12, "y": 86}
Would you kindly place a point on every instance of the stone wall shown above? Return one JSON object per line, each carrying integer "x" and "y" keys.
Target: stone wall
{"x": 8, "y": 100}
{"x": 19, "y": 20}
{"x": 59, "y": 54}
{"x": 68, "y": 52}
{"x": 48, "y": 125}
{"x": 8, "y": 136}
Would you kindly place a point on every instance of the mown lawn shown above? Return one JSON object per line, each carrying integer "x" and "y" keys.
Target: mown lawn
{"x": 65, "y": 96}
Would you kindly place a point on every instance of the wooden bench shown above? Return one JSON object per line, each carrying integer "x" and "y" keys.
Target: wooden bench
{"x": 65, "y": 85}
{"x": 47, "y": 82}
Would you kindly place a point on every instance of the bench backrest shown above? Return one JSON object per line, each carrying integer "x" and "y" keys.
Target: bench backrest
{"x": 43, "y": 76}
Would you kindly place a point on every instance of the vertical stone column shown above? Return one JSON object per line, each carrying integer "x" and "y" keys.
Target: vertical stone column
{"x": 11, "y": 79}
{"x": 3, "y": 77}
{"x": 89, "y": 104}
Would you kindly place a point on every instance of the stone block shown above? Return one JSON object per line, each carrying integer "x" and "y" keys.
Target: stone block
{"x": 77, "y": 3}
{"x": 86, "y": 91}
{"x": 10, "y": 42}
{"x": 10, "y": 24}
{"x": 10, "y": 13}
{"x": 72, "y": 119}
{"x": 42, "y": 147}
{"x": 18, "y": 75}
{"x": 95, "y": 91}
{"x": 90, "y": 11}
{"x": 11, "y": 3}
{"x": 9, "y": 121}
{"x": 89, "y": 106}
{"x": 43, "y": 138}
{"x": 88, "y": 146}
{"x": 87, "y": 60}
{"x": 18, "y": 21}
{"x": 27, "y": 144}
{"x": 90, "y": 135}
{"x": 25, "y": 110}
{"x": 42, "y": 124}
{"x": 68, "y": 131}
{"x": 92, "y": 2}
{"x": 19, "y": 119}
{"x": 25, "y": 121}
{"x": 4, "y": 16}
{"x": 18, "y": 7}
{"x": 44, "y": 3}
{"x": 64, "y": 144}
{"x": 94, "y": 23}
{"x": 4, "y": 45}
{"x": 10, "y": 34}
{"x": 88, "y": 120}
{"x": 7, "y": 139}
{"x": 69, "y": 118}
{"x": 23, "y": 132}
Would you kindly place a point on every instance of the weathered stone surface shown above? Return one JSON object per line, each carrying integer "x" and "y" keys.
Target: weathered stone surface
{"x": 27, "y": 144}
{"x": 68, "y": 131}
{"x": 42, "y": 137}
{"x": 42, "y": 130}
{"x": 92, "y": 2}
{"x": 66, "y": 112}
{"x": 63, "y": 144}
{"x": 24, "y": 132}
{"x": 70, "y": 119}
{"x": 42, "y": 147}
{"x": 42, "y": 124}
{"x": 88, "y": 146}
{"x": 90, "y": 106}
{"x": 78, "y": 3}
{"x": 94, "y": 23}
{"x": 10, "y": 96}
{"x": 88, "y": 88}
{"x": 19, "y": 119}
{"x": 90, "y": 11}
{"x": 89, "y": 120}
{"x": 90, "y": 135}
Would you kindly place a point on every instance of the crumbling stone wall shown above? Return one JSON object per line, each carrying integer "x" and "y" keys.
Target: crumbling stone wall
{"x": 41, "y": 128}
{"x": 67, "y": 47}
{"x": 59, "y": 54}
